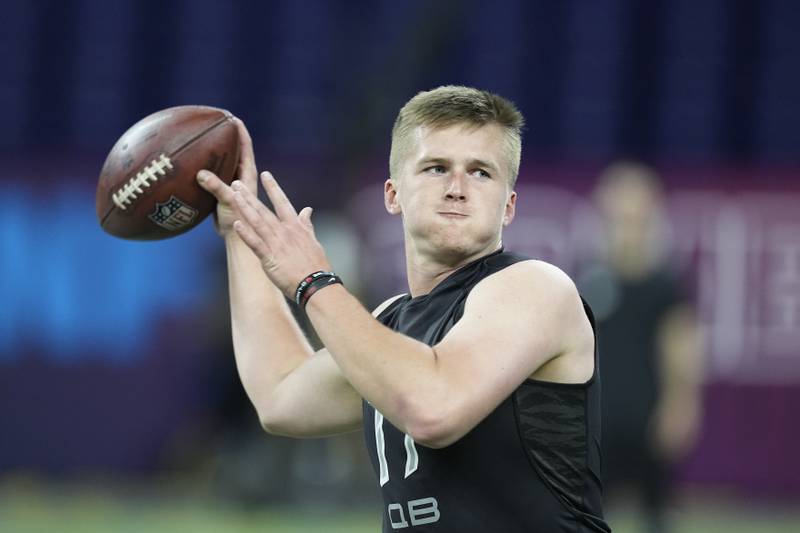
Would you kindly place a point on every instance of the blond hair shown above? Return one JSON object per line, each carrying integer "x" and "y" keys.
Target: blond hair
{"x": 450, "y": 105}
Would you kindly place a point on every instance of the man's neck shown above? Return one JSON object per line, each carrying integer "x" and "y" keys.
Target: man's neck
{"x": 632, "y": 263}
{"x": 425, "y": 272}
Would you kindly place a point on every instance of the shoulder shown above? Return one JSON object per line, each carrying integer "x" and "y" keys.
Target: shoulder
{"x": 527, "y": 279}
{"x": 532, "y": 292}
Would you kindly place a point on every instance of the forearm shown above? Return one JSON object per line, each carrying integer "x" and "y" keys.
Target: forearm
{"x": 398, "y": 375}
{"x": 681, "y": 362}
{"x": 267, "y": 341}
{"x": 678, "y": 413}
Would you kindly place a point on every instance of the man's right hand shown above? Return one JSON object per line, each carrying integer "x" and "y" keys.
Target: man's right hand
{"x": 246, "y": 173}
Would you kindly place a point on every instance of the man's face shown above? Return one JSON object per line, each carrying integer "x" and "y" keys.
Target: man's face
{"x": 454, "y": 190}
{"x": 630, "y": 207}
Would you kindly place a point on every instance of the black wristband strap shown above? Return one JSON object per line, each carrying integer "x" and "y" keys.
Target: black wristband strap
{"x": 311, "y": 284}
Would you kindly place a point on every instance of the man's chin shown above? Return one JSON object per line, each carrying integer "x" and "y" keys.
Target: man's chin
{"x": 453, "y": 250}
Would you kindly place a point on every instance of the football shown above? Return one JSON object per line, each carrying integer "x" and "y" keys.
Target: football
{"x": 147, "y": 188}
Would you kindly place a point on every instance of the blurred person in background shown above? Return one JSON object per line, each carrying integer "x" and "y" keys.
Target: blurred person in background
{"x": 478, "y": 402}
{"x": 652, "y": 362}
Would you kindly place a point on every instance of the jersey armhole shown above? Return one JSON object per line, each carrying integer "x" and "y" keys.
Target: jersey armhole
{"x": 386, "y": 305}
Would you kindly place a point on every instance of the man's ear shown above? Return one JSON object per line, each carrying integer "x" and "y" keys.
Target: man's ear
{"x": 511, "y": 208}
{"x": 390, "y": 199}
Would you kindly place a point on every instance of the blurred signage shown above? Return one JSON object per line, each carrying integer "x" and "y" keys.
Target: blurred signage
{"x": 70, "y": 292}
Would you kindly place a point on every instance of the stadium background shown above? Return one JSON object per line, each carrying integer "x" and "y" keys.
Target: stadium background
{"x": 119, "y": 402}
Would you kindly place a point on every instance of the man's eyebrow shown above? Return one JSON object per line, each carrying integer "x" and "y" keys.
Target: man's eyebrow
{"x": 446, "y": 161}
{"x": 435, "y": 160}
{"x": 482, "y": 163}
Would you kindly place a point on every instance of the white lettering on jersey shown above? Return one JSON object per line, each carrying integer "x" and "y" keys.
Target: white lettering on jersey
{"x": 380, "y": 447}
{"x": 412, "y": 459}
{"x": 421, "y": 511}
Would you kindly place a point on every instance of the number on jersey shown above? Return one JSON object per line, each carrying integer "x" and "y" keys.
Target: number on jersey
{"x": 412, "y": 458}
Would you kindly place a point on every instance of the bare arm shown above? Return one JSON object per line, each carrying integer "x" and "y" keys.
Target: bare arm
{"x": 295, "y": 391}
{"x": 676, "y": 419}
{"x": 531, "y": 310}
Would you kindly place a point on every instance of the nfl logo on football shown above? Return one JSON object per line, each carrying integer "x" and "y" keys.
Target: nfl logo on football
{"x": 173, "y": 214}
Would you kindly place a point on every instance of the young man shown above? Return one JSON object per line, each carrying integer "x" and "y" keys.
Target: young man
{"x": 652, "y": 395}
{"x": 477, "y": 390}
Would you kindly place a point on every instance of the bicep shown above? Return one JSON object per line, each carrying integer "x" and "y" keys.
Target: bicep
{"x": 315, "y": 400}
{"x": 511, "y": 326}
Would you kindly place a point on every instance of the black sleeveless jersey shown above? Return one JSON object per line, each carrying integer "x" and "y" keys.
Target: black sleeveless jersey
{"x": 532, "y": 465}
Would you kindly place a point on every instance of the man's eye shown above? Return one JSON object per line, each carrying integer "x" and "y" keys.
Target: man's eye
{"x": 436, "y": 169}
{"x": 481, "y": 173}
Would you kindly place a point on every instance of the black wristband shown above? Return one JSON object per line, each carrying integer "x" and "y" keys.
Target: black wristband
{"x": 311, "y": 284}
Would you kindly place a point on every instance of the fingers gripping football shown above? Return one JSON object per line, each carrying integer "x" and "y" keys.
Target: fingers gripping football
{"x": 245, "y": 174}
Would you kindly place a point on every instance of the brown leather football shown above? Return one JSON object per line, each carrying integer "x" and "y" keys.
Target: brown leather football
{"x": 147, "y": 188}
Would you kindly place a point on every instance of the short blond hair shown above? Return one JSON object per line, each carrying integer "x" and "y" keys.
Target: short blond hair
{"x": 450, "y": 105}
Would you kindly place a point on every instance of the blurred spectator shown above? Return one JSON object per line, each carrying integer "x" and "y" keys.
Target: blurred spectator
{"x": 650, "y": 352}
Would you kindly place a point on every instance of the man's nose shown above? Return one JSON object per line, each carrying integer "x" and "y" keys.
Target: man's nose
{"x": 456, "y": 186}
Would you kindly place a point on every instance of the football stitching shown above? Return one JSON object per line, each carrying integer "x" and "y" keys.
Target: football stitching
{"x": 142, "y": 180}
